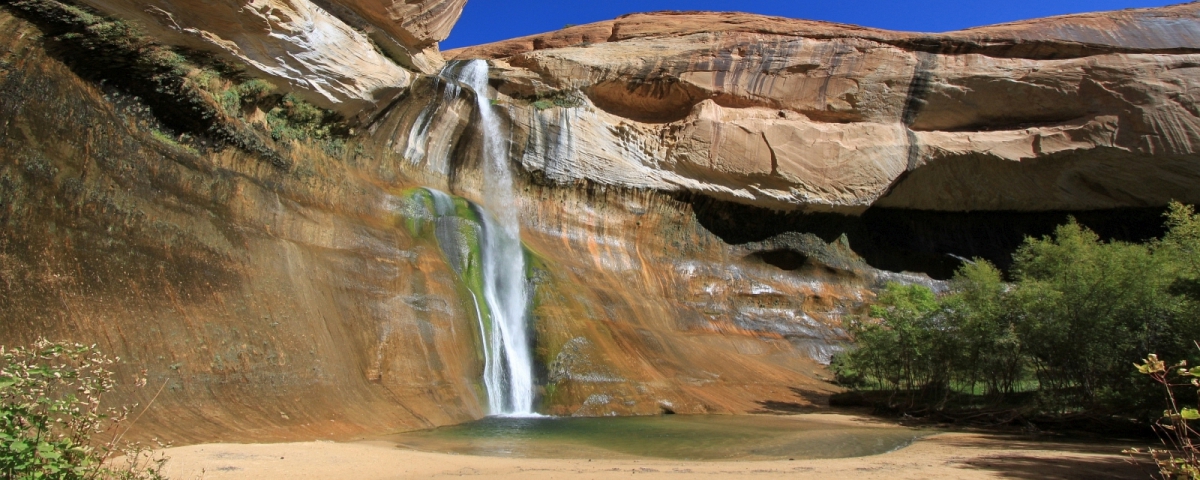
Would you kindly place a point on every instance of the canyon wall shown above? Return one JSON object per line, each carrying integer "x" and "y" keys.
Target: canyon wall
{"x": 704, "y": 198}
{"x": 1072, "y": 113}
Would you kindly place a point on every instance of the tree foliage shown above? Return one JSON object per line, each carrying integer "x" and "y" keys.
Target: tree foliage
{"x": 1058, "y": 337}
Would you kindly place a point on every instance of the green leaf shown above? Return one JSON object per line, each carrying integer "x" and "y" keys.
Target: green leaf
{"x": 19, "y": 446}
{"x": 1190, "y": 414}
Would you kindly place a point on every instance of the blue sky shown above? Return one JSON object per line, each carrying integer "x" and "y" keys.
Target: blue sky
{"x": 485, "y": 21}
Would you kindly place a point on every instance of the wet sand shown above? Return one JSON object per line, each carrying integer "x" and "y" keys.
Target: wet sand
{"x": 945, "y": 455}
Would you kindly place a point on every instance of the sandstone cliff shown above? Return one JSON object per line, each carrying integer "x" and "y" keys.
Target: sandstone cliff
{"x": 275, "y": 268}
{"x": 1077, "y": 112}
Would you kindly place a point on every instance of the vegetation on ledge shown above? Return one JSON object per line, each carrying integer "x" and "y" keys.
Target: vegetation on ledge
{"x": 192, "y": 94}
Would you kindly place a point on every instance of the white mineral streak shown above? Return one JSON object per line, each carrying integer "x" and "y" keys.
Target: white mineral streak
{"x": 429, "y": 144}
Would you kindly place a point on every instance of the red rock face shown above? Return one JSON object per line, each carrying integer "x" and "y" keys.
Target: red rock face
{"x": 1166, "y": 28}
{"x": 270, "y": 312}
{"x": 417, "y": 24}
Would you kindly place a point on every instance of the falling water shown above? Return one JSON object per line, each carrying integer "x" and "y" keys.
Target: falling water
{"x": 508, "y": 362}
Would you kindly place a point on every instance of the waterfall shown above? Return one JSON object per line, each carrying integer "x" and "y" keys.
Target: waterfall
{"x": 508, "y": 361}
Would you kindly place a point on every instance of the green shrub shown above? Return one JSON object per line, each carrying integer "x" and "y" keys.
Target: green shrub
{"x": 295, "y": 119}
{"x": 51, "y": 408}
{"x": 903, "y": 346}
{"x": 255, "y": 90}
{"x": 1088, "y": 308}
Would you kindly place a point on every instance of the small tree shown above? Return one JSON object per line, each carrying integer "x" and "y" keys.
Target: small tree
{"x": 905, "y": 348}
{"x": 991, "y": 348}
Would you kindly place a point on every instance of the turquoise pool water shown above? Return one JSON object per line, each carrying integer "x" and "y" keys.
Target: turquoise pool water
{"x": 679, "y": 437}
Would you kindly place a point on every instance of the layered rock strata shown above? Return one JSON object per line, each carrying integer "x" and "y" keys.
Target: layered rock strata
{"x": 1078, "y": 112}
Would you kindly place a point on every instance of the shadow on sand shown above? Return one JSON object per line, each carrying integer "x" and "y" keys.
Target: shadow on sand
{"x": 1032, "y": 467}
{"x": 810, "y": 402}
{"x": 1100, "y": 459}
{"x": 1097, "y": 460}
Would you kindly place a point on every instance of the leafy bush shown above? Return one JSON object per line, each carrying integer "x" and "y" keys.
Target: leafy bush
{"x": 1056, "y": 339}
{"x": 1087, "y": 308}
{"x": 51, "y": 408}
{"x": 1181, "y": 458}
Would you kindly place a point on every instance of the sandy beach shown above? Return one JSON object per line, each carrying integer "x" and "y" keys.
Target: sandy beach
{"x": 944, "y": 455}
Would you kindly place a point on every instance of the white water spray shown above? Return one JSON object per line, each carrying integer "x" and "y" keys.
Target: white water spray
{"x": 508, "y": 361}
